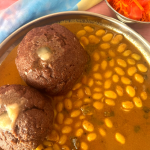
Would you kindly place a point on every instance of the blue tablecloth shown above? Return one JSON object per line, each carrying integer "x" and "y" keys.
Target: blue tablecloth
{"x": 24, "y": 11}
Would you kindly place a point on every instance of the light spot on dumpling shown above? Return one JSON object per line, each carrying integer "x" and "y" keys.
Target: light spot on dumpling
{"x": 44, "y": 53}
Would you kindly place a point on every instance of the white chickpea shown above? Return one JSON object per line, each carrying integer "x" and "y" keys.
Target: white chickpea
{"x": 115, "y": 78}
{"x": 54, "y": 136}
{"x": 87, "y": 91}
{"x": 75, "y": 113}
{"x": 88, "y": 29}
{"x": 40, "y": 147}
{"x": 127, "y": 105}
{"x": 111, "y": 53}
{"x": 100, "y": 32}
{"x": 131, "y": 71}
{"x": 56, "y": 147}
{"x": 96, "y": 67}
{"x": 88, "y": 126}
{"x": 121, "y": 47}
{"x": 105, "y": 46}
{"x": 110, "y": 102}
{"x": 96, "y": 56}
{"x": 119, "y": 71}
{"x": 80, "y": 93}
{"x": 108, "y": 74}
{"x": 120, "y": 138}
{"x": 103, "y": 54}
{"x": 60, "y": 118}
{"x": 130, "y": 90}
{"x": 90, "y": 82}
{"x": 108, "y": 123}
{"x": 59, "y": 106}
{"x": 144, "y": 95}
{"x": 78, "y": 104}
{"x": 107, "y": 37}
{"x": 84, "y": 146}
{"x": 77, "y": 86}
{"x": 131, "y": 61}
{"x": 137, "y": 101}
{"x": 110, "y": 94}
{"x": 136, "y": 56}
{"x": 80, "y": 33}
{"x": 68, "y": 104}
{"x": 119, "y": 90}
{"x": 98, "y": 105}
{"x": 84, "y": 41}
{"x": 127, "y": 53}
{"x": 111, "y": 63}
{"x": 79, "y": 132}
{"x": 107, "y": 84}
{"x": 62, "y": 139}
{"x": 97, "y": 76}
{"x": 68, "y": 121}
{"x": 117, "y": 39}
{"x": 66, "y": 129}
{"x": 125, "y": 80}
{"x": 121, "y": 63}
{"x": 91, "y": 137}
{"x": 93, "y": 39}
{"x": 104, "y": 64}
{"x": 139, "y": 78}
{"x": 97, "y": 96}
{"x": 102, "y": 132}
{"x": 142, "y": 67}
{"x": 47, "y": 143}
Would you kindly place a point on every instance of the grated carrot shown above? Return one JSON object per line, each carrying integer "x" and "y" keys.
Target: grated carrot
{"x": 124, "y": 8}
{"x": 138, "y": 4}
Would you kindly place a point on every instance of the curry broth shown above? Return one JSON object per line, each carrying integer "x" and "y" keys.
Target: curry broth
{"x": 133, "y": 123}
{"x": 8, "y": 71}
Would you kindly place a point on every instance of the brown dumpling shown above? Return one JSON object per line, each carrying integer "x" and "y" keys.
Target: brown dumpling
{"x": 26, "y": 117}
{"x": 51, "y": 59}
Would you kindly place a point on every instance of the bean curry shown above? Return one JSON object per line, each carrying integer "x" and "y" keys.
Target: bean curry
{"x": 109, "y": 106}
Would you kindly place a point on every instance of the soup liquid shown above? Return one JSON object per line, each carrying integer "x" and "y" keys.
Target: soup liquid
{"x": 100, "y": 97}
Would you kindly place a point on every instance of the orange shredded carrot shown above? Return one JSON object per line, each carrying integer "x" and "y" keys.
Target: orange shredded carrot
{"x": 138, "y": 4}
{"x": 124, "y": 8}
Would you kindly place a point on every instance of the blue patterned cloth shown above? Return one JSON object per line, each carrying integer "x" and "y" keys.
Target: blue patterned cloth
{"x": 24, "y": 11}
